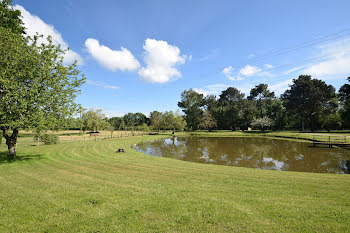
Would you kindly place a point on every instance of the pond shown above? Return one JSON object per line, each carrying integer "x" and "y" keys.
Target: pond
{"x": 252, "y": 152}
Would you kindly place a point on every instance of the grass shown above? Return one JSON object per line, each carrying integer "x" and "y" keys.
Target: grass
{"x": 87, "y": 187}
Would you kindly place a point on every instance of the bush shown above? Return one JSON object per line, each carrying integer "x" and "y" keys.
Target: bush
{"x": 262, "y": 123}
{"x": 47, "y": 139}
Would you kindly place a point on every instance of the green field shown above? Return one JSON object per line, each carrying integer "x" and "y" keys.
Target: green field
{"x": 87, "y": 187}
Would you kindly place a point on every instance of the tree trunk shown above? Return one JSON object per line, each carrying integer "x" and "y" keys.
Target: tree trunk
{"x": 11, "y": 142}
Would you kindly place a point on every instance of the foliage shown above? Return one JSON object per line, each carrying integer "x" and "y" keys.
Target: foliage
{"x": 173, "y": 121}
{"x": 308, "y": 98}
{"x": 156, "y": 120}
{"x": 144, "y": 127}
{"x": 134, "y": 119}
{"x": 10, "y": 18}
{"x": 35, "y": 86}
{"x": 207, "y": 121}
{"x": 344, "y": 96}
{"x": 262, "y": 123}
{"x": 191, "y": 104}
{"x": 95, "y": 120}
{"x": 230, "y": 107}
{"x": 115, "y": 122}
{"x": 263, "y": 97}
{"x": 330, "y": 121}
{"x": 47, "y": 139}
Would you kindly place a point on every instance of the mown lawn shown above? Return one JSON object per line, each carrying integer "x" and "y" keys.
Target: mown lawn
{"x": 87, "y": 187}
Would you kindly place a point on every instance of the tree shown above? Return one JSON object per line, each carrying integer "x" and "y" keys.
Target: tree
{"x": 134, "y": 119}
{"x": 10, "y": 18}
{"x": 308, "y": 98}
{"x": 344, "y": 97}
{"x": 262, "y": 96}
{"x": 207, "y": 121}
{"x": 173, "y": 121}
{"x": 180, "y": 122}
{"x": 156, "y": 120}
{"x": 276, "y": 112}
{"x": 35, "y": 85}
{"x": 191, "y": 104}
{"x": 230, "y": 104}
{"x": 115, "y": 122}
{"x": 95, "y": 120}
{"x": 262, "y": 123}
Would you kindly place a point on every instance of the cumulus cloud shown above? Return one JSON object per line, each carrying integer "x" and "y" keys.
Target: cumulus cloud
{"x": 228, "y": 72}
{"x": 160, "y": 59}
{"x": 34, "y": 24}
{"x": 112, "y": 59}
{"x": 246, "y": 71}
{"x": 249, "y": 70}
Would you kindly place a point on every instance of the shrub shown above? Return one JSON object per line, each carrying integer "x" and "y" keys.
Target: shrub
{"x": 262, "y": 123}
{"x": 47, "y": 139}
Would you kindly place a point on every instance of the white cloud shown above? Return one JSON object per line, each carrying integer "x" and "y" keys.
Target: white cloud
{"x": 336, "y": 62}
{"x": 249, "y": 70}
{"x": 160, "y": 59}
{"x": 112, "y": 59}
{"x": 34, "y": 24}
{"x": 335, "y": 66}
{"x": 280, "y": 87}
{"x": 228, "y": 70}
{"x": 101, "y": 84}
{"x": 213, "y": 89}
{"x": 228, "y": 73}
{"x": 246, "y": 71}
{"x": 268, "y": 66}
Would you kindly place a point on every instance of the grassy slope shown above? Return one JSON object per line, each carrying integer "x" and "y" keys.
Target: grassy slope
{"x": 87, "y": 187}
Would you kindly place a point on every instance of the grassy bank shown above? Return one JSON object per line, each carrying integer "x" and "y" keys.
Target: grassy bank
{"x": 343, "y": 136}
{"x": 87, "y": 187}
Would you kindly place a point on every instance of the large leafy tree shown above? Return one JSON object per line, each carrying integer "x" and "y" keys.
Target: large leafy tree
{"x": 173, "y": 121}
{"x": 135, "y": 119}
{"x": 208, "y": 122}
{"x": 156, "y": 120}
{"x": 191, "y": 104}
{"x": 344, "y": 96}
{"x": 36, "y": 88}
{"x": 263, "y": 97}
{"x": 231, "y": 108}
{"x": 95, "y": 120}
{"x": 308, "y": 98}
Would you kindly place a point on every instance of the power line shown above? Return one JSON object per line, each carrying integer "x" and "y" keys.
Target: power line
{"x": 306, "y": 44}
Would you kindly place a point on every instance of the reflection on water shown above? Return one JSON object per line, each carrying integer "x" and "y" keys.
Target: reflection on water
{"x": 254, "y": 152}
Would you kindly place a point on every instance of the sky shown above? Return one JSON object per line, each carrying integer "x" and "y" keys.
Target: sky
{"x": 138, "y": 56}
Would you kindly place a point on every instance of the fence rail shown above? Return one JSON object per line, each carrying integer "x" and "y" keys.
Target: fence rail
{"x": 330, "y": 140}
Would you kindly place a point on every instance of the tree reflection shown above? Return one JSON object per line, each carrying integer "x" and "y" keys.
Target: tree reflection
{"x": 254, "y": 152}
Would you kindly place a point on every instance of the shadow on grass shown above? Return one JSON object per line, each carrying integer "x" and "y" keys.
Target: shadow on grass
{"x": 4, "y": 158}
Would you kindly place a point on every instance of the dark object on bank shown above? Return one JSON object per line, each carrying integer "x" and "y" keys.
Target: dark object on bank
{"x": 120, "y": 150}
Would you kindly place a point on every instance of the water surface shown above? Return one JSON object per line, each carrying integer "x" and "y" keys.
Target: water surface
{"x": 253, "y": 152}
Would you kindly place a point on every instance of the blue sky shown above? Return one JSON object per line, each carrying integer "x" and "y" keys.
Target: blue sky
{"x": 138, "y": 56}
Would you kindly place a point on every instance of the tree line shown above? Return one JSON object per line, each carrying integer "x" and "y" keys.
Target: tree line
{"x": 94, "y": 120}
{"x": 308, "y": 103}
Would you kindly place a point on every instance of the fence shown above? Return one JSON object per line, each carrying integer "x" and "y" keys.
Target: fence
{"x": 101, "y": 136}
